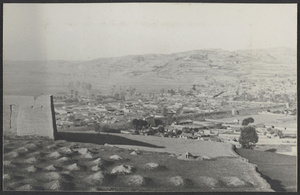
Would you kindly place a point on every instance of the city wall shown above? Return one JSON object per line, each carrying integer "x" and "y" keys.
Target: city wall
{"x": 24, "y": 115}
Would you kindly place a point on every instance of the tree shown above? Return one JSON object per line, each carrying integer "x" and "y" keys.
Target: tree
{"x": 246, "y": 121}
{"x": 248, "y": 137}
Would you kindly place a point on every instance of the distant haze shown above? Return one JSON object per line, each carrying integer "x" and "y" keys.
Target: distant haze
{"x": 89, "y": 31}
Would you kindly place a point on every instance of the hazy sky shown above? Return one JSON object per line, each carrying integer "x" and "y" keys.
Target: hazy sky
{"x": 89, "y": 31}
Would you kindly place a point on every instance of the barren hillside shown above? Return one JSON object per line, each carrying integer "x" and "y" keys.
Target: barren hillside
{"x": 149, "y": 72}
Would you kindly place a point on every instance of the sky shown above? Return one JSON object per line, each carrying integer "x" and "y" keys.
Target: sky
{"x": 90, "y": 31}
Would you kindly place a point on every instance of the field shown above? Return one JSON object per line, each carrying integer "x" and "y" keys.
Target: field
{"x": 279, "y": 170}
{"x": 73, "y": 166}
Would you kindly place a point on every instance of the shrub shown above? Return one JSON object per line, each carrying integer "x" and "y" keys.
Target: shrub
{"x": 248, "y": 137}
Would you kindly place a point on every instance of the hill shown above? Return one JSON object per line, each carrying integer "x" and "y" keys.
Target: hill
{"x": 150, "y": 72}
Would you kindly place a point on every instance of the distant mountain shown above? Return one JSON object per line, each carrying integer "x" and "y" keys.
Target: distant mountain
{"x": 150, "y": 72}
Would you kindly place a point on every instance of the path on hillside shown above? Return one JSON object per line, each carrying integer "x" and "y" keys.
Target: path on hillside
{"x": 278, "y": 169}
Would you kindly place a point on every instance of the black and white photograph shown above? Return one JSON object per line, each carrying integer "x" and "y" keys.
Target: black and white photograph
{"x": 149, "y": 97}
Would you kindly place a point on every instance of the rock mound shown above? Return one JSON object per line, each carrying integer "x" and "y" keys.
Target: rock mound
{"x": 52, "y": 168}
{"x": 53, "y": 146}
{"x": 63, "y": 160}
{"x": 65, "y": 150}
{"x": 31, "y": 169}
{"x": 6, "y": 176}
{"x": 178, "y": 181}
{"x": 208, "y": 181}
{"x": 97, "y": 161}
{"x": 54, "y": 155}
{"x": 154, "y": 166}
{"x": 12, "y": 154}
{"x": 7, "y": 163}
{"x": 26, "y": 187}
{"x": 31, "y": 160}
{"x": 138, "y": 180}
{"x": 108, "y": 145}
{"x": 233, "y": 181}
{"x": 116, "y": 157}
{"x": 122, "y": 170}
{"x": 31, "y": 146}
{"x": 51, "y": 176}
{"x": 96, "y": 178}
{"x": 21, "y": 150}
{"x": 74, "y": 167}
{"x": 134, "y": 153}
{"x": 58, "y": 185}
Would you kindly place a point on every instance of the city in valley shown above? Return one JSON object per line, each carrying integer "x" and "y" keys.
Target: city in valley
{"x": 169, "y": 97}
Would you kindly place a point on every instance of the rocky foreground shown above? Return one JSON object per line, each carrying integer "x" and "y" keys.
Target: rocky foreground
{"x": 42, "y": 165}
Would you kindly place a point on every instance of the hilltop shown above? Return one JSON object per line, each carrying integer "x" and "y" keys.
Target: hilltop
{"x": 150, "y": 72}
